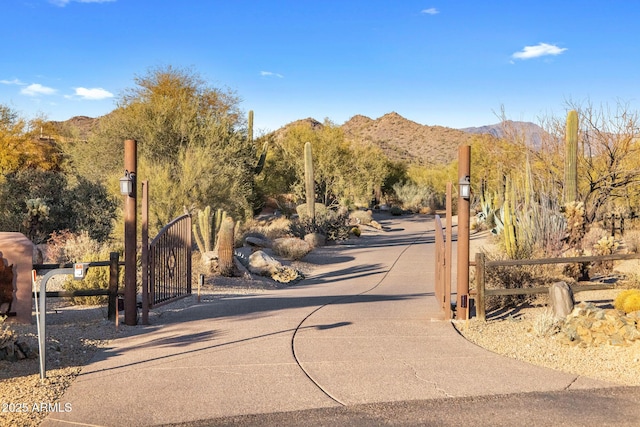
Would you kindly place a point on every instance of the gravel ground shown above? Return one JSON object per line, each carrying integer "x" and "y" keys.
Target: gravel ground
{"x": 519, "y": 334}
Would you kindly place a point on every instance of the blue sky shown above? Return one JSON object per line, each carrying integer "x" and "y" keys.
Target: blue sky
{"x": 437, "y": 62}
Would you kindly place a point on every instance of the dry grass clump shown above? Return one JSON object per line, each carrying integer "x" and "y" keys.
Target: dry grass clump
{"x": 361, "y": 217}
{"x": 632, "y": 241}
{"x": 291, "y": 248}
{"x": 545, "y": 324}
{"x": 6, "y": 333}
{"x": 271, "y": 229}
{"x": 65, "y": 247}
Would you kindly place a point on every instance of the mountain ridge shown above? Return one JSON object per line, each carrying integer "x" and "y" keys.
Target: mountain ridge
{"x": 399, "y": 138}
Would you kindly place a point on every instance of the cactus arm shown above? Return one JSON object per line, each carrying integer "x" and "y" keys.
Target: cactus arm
{"x": 571, "y": 158}
{"x": 309, "y": 180}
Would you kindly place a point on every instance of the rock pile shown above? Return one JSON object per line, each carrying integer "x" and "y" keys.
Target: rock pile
{"x": 14, "y": 349}
{"x": 588, "y": 325}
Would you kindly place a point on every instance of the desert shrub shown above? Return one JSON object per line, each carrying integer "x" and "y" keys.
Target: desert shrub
{"x": 75, "y": 204}
{"x": 545, "y": 324}
{"x": 65, "y": 247}
{"x": 632, "y": 241}
{"x": 291, "y": 248}
{"x": 96, "y": 278}
{"x": 591, "y": 239}
{"x": 361, "y": 217}
{"x": 271, "y": 229}
{"x": 334, "y": 225}
{"x": 605, "y": 246}
{"x": 395, "y": 211}
{"x": 301, "y": 210}
{"x": 6, "y": 332}
{"x": 507, "y": 277}
{"x": 414, "y": 197}
{"x": 628, "y": 300}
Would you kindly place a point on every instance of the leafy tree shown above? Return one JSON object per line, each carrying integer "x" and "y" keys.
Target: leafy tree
{"x": 191, "y": 144}
{"x": 21, "y": 148}
{"x": 79, "y": 206}
{"x": 608, "y": 158}
{"x": 343, "y": 171}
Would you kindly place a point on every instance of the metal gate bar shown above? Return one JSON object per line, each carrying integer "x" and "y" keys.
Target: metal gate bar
{"x": 170, "y": 262}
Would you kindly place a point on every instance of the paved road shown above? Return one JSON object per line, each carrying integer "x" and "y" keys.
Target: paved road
{"x": 358, "y": 343}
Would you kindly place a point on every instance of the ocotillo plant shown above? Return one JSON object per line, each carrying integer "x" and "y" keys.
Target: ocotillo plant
{"x": 225, "y": 247}
{"x": 571, "y": 158}
{"x": 309, "y": 181}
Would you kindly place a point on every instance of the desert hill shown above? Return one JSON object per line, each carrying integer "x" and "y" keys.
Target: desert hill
{"x": 403, "y": 139}
{"x": 530, "y": 133}
{"x": 399, "y": 138}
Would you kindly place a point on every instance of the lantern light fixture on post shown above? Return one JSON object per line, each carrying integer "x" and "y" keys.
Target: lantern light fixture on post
{"x": 127, "y": 183}
{"x": 465, "y": 188}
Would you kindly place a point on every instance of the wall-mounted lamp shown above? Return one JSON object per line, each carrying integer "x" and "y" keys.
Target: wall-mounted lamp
{"x": 127, "y": 183}
{"x": 464, "y": 187}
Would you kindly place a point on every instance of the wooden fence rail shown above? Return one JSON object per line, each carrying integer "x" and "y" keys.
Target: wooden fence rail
{"x": 481, "y": 264}
{"x": 112, "y": 291}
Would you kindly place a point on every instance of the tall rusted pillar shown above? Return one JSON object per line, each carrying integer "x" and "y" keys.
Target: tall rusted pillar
{"x": 464, "y": 176}
{"x": 130, "y": 232}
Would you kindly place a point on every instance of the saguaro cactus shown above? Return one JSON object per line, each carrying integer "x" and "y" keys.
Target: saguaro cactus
{"x": 250, "y": 126}
{"x": 225, "y": 247}
{"x": 309, "y": 181}
{"x": 571, "y": 158}
{"x": 263, "y": 157}
{"x": 509, "y": 233}
{"x": 202, "y": 230}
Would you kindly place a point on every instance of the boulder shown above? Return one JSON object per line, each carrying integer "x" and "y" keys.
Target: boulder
{"x": 263, "y": 264}
{"x": 257, "y": 242}
{"x": 561, "y": 298}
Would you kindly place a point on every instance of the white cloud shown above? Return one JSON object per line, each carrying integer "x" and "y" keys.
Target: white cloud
{"x": 36, "y": 89}
{"x": 430, "y": 11}
{"x": 93, "y": 94}
{"x": 270, "y": 74}
{"x": 541, "y": 49}
{"x": 12, "y": 82}
{"x": 63, "y": 3}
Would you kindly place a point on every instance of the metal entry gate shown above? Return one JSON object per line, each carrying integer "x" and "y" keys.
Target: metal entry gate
{"x": 170, "y": 262}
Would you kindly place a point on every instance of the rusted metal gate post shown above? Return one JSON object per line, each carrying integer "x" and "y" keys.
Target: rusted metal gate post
{"x": 440, "y": 263}
{"x": 130, "y": 226}
{"x": 464, "y": 172}
{"x": 145, "y": 252}
{"x": 114, "y": 274}
{"x": 480, "y": 285}
{"x": 448, "y": 256}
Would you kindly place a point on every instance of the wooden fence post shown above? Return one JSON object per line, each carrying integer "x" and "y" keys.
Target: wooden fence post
{"x": 480, "y": 286}
{"x": 114, "y": 270}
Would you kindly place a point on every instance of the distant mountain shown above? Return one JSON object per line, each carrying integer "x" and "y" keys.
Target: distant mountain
{"x": 403, "y": 139}
{"x": 399, "y": 138}
{"x": 530, "y": 133}
{"x": 78, "y": 127}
